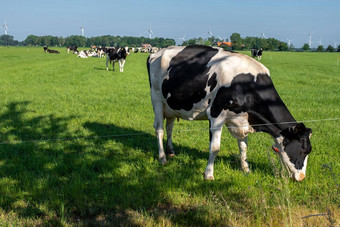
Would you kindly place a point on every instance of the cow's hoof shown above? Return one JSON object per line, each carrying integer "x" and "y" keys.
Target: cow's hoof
{"x": 246, "y": 171}
{"x": 170, "y": 153}
{"x": 163, "y": 161}
{"x": 208, "y": 178}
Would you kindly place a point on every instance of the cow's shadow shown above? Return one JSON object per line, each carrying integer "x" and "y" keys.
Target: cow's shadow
{"x": 147, "y": 143}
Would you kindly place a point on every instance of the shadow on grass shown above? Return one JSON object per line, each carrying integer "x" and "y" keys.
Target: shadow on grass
{"x": 94, "y": 181}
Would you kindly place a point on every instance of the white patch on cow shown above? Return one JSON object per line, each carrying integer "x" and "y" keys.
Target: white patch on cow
{"x": 304, "y": 166}
{"x": 161, "y": 58}
{"x": 231, "y": 64}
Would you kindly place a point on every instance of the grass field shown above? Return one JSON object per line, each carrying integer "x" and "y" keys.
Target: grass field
{"x": 77, "y": 147}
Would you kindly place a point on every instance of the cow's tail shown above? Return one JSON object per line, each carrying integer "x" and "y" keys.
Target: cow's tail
{"x": 148, "y": 66}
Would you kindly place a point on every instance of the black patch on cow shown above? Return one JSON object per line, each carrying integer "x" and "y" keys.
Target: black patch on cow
{"x": 188, "y": 77}
{"x": 212, "y": 82}
{"x": 148, "y": 67}
{"x": 210, "y": 133}
{"x": 258, "y": 98}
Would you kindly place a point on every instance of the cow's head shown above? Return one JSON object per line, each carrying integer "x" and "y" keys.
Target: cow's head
{"x": 295, "y": 148}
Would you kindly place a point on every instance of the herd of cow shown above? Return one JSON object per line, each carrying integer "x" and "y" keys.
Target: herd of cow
{"x": 112, "y": 54}
{"x": 226, "y": 88}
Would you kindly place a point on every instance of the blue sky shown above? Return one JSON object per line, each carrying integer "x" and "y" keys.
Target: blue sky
{"x": 281, "y": 19}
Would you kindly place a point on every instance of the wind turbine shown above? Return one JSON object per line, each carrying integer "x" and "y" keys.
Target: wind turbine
{"x": 183, "y": 38}
{"x": 263, "y": 36}
{"x": 310, "y": 39}
{"x": 289, "y": 41}
{"x": 320, "y": 42}
{"x": 82, "y": 31}
{"x": 210, "y": 33}
{"x": 335, "y": 44}
{"x": 6, "y": 28}
{"x": 150, "y": 32}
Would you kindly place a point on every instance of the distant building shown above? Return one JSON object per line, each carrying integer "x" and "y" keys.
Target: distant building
{"x": 146, "y": 45}
{"x": 229, "y": 44}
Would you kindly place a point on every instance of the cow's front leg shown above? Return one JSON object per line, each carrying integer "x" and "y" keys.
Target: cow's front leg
{"x": 169, "y": 126}
{"x": 107, "y": 63}
{"x": 121, "y": 65}
{"x": 242, "y": 144}
{"x": 214, "y": 148}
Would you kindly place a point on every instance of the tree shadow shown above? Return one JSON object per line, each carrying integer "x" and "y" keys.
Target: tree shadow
{"x": 84, "y": 179}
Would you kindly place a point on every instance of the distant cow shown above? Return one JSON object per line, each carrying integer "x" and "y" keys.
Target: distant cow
{"x": 116, "y": 54}
{"x": 83, "y": 54}
{"x": 73, "y": 48}
{"x": 256, "y": 53}
{"x": 206, "y": 83}
{"x": 50, "y": 51}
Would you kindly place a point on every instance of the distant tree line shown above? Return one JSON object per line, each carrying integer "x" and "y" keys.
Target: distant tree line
{"x": 107, "y": 40}
{"x": 237, "y": 42}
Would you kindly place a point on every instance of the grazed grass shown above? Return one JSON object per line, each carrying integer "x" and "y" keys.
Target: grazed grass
{"x": 89, "y": 176}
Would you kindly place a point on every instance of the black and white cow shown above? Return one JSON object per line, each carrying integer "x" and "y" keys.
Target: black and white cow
{"x": 73, "y": 48}
{"x": 50, "y": 51}
{"x": 113, "y": 54}
{"x": 206, "y": 83}
{"x": 256, "y": 53}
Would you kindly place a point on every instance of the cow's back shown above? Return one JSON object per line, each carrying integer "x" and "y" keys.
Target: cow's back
{"x": 188, "y": 78}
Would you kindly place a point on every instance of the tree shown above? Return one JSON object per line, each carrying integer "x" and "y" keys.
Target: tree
{"x": 330, "y": 49}
{"x": 320, "y": 48}
{"x": 283, "y": 46}
{"x": 305, "y": 47}
{"x": 7, "y": 40}
{"x": 31, "y": 40}
{"x": 236, "y": 41}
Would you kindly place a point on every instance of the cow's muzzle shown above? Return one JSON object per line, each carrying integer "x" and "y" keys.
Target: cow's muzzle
{"x": 299, "y": 177}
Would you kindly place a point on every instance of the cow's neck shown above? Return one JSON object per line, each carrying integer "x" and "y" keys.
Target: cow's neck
{"x": 269, "y": 113}
{"x": 274, "y": 125}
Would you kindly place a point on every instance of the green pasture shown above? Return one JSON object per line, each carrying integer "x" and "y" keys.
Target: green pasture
{"x": 77, "y": 147}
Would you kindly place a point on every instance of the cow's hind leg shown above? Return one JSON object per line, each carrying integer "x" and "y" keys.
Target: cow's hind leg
{"x": 159, "y": 126}
{"x": 113, "y": 65}
{"x": 169, "y": 126}
{"x": 107, "y": 63}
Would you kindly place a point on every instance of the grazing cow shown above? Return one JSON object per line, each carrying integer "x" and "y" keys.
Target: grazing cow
{"x": 73, "y": 48}
{"x": 113, "y": 55}
{"x": 101, "y": 51}
{"x": 206, "y": 83}
{"x": 50, "y": 51}
{"x": 256, "y": 53}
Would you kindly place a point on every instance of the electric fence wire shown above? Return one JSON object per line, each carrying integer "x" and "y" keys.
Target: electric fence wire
{"x": 147, "y": 133}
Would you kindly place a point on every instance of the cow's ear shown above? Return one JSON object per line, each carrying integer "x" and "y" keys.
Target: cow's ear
{"x": 309, "y": 132}
{"x": 298, "y": 128}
